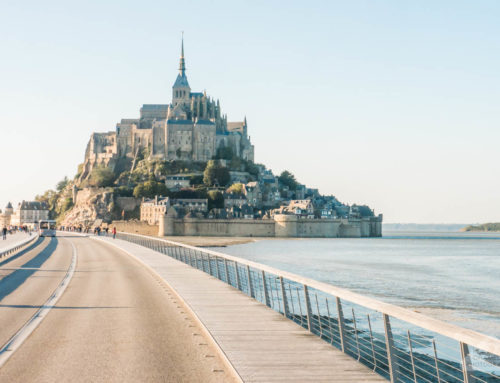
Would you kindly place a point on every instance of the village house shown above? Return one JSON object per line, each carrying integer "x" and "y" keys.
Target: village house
{"x": 177, "y": 182}
{"x": 300, "y": 208}
{"x": 192, "y": 205}
{"x": 234, "y": 199}
{"x": 252, "y": 193}
{"x": 153, "y": 209}
{"x": 29, "y": 213}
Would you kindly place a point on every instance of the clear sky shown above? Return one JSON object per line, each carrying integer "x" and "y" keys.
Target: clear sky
{"x": 390, "y": 103}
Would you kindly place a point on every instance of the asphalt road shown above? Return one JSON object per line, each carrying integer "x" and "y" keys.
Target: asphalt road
{"x": 115, "y": 322}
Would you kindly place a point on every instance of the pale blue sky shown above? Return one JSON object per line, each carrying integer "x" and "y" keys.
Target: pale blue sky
{"x": 390, "y": 103}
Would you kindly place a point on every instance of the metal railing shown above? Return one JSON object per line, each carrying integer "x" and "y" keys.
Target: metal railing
{"x": 399, "y": 344}
{"x": 14, "y": 248}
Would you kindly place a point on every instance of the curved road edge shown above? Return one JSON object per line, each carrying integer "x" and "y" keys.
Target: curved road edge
{"x": 12, "y": 250}
{"x": 202, "y": 326}
{"x": 18, "y": 339}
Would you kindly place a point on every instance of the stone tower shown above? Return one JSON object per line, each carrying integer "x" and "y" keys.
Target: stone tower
{"x": 181, "y": 91}
{"x": 9, "y": 210}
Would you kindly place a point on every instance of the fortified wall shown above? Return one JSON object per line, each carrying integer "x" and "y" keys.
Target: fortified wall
{"x": 281, "y": 226}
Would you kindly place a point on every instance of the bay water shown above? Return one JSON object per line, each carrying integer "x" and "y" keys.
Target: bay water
{"x": 454, "y": 277}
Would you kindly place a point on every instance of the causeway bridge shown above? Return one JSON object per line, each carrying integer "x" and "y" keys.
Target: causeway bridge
{"x": 145, "y": 309}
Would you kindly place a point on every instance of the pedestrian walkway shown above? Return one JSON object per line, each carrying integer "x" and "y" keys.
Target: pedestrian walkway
{"x": 12, "y": 239}
{"x": 260, "y": 343}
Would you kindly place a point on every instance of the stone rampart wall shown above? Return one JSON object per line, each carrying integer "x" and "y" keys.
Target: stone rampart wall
{"x": 135, "y": 227}
{"x": 224, "y": 228}
{"x": 281, "y": 226}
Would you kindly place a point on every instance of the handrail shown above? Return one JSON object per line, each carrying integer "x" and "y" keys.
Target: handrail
{"x": 469, "y": 337}
{"x": 18, "y": 245}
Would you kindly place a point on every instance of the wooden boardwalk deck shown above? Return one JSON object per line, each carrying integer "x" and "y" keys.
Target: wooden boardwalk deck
{"x": 261, "y": 344}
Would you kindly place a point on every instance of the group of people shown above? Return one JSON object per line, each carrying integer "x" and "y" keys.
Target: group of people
{"x": 12, "y": 229}
{"x": 98, "y": 230}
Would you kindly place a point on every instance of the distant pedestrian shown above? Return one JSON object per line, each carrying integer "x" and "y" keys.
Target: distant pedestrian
{"x": 4, "y": 233}
{"x": 106, "y": 230}
{"x": 114, "y": 232}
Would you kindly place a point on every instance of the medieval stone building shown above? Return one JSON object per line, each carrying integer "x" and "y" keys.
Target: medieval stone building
{"x": 192, "y": 127}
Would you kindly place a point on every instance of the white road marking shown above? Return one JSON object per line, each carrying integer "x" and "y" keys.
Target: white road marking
{"x": 18, "y": 339}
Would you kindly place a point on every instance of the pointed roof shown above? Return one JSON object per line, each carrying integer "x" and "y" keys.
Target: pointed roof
{"x": 181, "y": 81}
{"x": 9, "y": 206}
{"x": 182, "y": 63}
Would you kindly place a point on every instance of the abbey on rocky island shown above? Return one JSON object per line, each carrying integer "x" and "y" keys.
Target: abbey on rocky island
{"x": 191, "y": 128}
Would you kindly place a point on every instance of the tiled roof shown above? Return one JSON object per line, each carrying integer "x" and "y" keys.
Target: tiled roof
{"x": 180, "y": 122}
{"x": 204, "y": 122}
{"x": 155, "y": 107}
{"x": 33, "y": 205}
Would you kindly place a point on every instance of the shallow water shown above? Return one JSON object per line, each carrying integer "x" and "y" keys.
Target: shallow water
{"x": 451, "y": 276}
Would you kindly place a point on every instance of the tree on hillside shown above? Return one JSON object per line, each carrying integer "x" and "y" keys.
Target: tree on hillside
{"x": 149, "y": 189}
{"x": 62, "y": 184}
{"x": 236, "y": 188}
{"x": 49, "y": 198}
{"x": 215, "y": 200}
{"x": 288, "y": 179}
{"x": 224, "y": 153}
{"x": 196, "y": 180}
{"x": 101, "y": 177}
{"x": 215, "y": 173}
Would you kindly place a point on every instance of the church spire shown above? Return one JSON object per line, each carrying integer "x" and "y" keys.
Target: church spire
{"x": 182, "y": 63}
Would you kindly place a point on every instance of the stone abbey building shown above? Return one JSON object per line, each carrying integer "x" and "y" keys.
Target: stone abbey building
{"x": 191, "y": 128}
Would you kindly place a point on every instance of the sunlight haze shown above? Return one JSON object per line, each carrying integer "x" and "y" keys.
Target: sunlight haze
{"x": 390, "y": 104}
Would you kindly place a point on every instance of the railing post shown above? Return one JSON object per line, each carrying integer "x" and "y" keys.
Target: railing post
{"x": 250, "y": 284}
{"x": 341, "y": 324}
{"x": 466, "y": 363}
{"x": 389, "y": 344}
{"x": 238, "y": 282}
{"x": 209, "y": 264}
{"x": 320, "y": 324}
{"x": 436, "y": 361}
{"x": 308, "y": 308}
{"x": 356, "y": 332}
{"x": 199, "y": 261}
{"x": 266, "y": 292}
{"x": 410, "y": 346}
{"x": 371, "y": 341}
{"x": 217, "y": 267}
{"x": 227, "y": 271}
{"x": 283, "y": 295}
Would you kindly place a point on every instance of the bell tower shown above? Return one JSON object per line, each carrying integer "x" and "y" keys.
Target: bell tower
{"x": 181, "y": 92}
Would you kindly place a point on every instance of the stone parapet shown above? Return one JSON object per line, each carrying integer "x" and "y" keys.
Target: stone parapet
{"x": 285, "y": 226}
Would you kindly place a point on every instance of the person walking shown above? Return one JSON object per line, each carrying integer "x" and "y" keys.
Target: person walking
{"x": 4, "y": 233}
{"x": 114, "y": 232}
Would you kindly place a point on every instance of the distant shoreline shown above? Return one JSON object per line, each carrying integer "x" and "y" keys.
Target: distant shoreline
{"x": 486, "y": 228}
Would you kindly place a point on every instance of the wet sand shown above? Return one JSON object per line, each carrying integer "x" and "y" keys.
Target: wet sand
{"x": 214, "y": 241}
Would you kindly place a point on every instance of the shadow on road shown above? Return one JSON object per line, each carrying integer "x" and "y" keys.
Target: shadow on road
{"x": 65, "y": 307}
{"x": 22, "y": 252}
{"x": 12, "y": 281}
